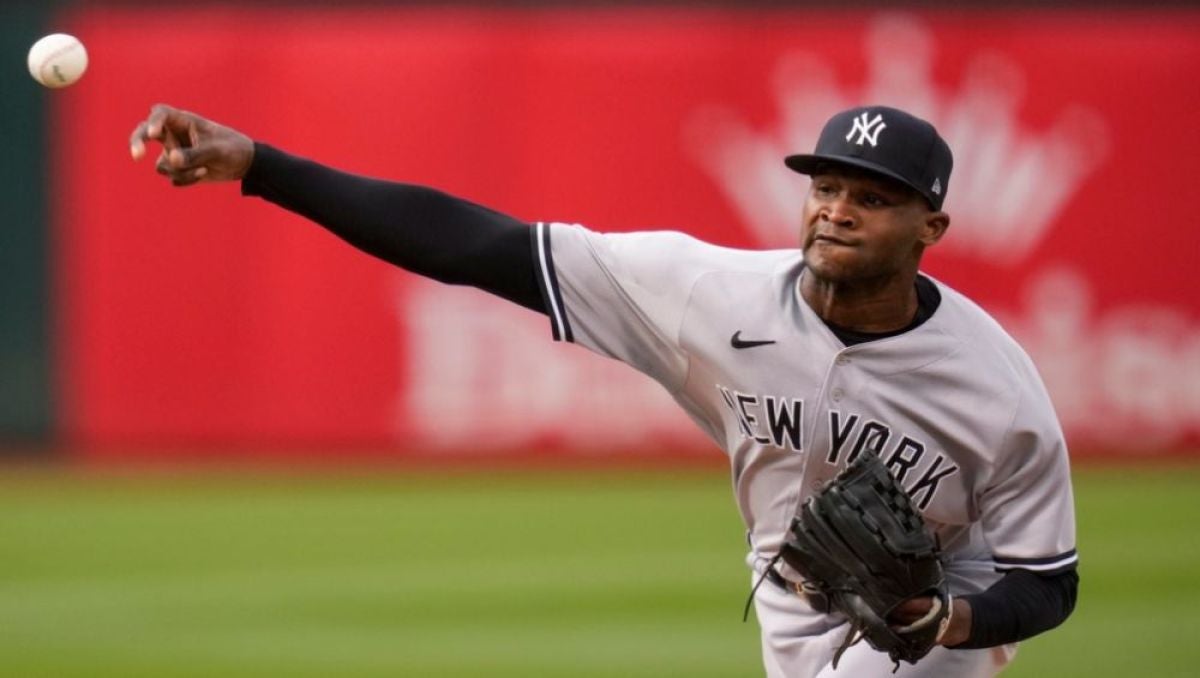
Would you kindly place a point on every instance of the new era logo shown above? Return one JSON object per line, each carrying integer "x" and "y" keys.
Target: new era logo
{"x": 868, "y": 129}
{"x": 937, "y": 186}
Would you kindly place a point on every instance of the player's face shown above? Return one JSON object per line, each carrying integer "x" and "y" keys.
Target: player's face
{"x": 860, "y": 227}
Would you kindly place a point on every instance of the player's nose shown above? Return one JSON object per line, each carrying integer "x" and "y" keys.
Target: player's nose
{"x": 838, "y": 212}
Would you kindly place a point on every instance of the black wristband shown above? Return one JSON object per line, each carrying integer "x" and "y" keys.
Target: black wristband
{"x": 1019, "y": 606}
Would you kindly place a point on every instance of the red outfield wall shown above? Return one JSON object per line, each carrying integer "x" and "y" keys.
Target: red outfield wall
{"x": 201, "y": 319}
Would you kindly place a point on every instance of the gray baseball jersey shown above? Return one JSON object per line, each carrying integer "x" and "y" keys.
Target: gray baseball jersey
{"x": 954, "y": 406}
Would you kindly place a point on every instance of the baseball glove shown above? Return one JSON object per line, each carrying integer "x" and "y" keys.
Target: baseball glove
{"x": 861, "y": 544}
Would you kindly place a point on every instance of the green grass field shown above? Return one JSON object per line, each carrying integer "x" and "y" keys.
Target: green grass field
{"x": 549, "y": 573}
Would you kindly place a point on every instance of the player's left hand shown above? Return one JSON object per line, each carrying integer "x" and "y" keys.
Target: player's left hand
{"x": 958, "y": 626}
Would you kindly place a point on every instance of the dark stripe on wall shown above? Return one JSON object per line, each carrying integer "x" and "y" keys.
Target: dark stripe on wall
{"x": 26, "y": 396}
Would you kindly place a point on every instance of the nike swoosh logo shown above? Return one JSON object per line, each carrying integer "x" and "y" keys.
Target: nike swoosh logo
{"x": 736, "y": 341}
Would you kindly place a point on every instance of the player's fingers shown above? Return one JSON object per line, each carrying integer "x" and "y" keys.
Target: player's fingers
{"x": 911, "y": 610}
{"x": 155, "y": 127}
{"x": 194, "y": 157}
{"x": 193, "y": 131}
{"x": 178, "y": 177}
{"x": 169, "y": 139}
{"x": 169, "y": 126}
{"x": 179, "y": 155}
{"x": 160, "y": 115}
{"x": 137, "y": 140}
{"x": 189, "y": 177}
{"x": 188, "y": 149}
{"x": 162, "y": 165}
{"x": 169, "y": 164}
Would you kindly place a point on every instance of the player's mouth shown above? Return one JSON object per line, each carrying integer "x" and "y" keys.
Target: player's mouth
{"x": 831, "y": 240}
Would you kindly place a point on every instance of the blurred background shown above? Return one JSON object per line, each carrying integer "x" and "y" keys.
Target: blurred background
{"x": 231, "y": 443}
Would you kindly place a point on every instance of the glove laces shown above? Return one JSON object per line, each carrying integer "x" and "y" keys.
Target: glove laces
{"x": 761, "y": 578}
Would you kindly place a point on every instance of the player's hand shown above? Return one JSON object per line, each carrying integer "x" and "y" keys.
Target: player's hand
{"x": 193, "y": 148}
{"x": 958, "y": 628}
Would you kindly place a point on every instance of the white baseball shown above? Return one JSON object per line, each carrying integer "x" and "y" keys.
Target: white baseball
{"x": 57, "y": 60}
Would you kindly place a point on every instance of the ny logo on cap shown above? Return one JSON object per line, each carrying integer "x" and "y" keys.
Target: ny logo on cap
{"x": 868, "y": 130}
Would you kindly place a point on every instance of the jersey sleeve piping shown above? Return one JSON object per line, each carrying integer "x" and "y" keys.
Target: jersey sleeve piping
{"x": 547, "y": 280}
{"x": 1043, "y": 565}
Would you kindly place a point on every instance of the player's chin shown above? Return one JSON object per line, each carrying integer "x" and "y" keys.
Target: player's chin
{"x": 832, "y": 266}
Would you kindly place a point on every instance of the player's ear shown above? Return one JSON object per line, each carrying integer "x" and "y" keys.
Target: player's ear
{"x": 934, "y": 227}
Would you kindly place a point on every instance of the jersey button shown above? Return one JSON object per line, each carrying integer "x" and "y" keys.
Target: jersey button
{"x": 843, "y": 360}
{"x": 837, "y": 394}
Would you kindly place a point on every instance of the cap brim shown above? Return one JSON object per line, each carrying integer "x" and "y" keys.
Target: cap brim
{"x": 809, "y": 164}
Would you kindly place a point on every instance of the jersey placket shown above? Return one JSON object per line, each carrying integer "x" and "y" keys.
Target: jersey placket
{"x": 841, "y": 382}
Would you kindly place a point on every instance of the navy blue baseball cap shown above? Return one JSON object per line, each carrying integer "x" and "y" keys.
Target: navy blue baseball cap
{"x": 887, "y": 141}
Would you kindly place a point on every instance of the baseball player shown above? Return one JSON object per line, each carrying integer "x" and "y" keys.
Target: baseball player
{"x": 792, "y": 361}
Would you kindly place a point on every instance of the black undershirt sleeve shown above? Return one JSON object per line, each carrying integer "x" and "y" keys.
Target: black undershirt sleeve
{"x": 417, "y": 228}
{"x": 1020, "y": 605}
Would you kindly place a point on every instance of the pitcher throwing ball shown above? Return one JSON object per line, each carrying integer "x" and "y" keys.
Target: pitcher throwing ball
{"x": 797, "y": 363}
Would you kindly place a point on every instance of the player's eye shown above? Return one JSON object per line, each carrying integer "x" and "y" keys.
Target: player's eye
{"x": 874, "y": 200}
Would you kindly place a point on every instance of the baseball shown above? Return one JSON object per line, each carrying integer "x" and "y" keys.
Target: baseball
{"x": 57, "y": 60}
